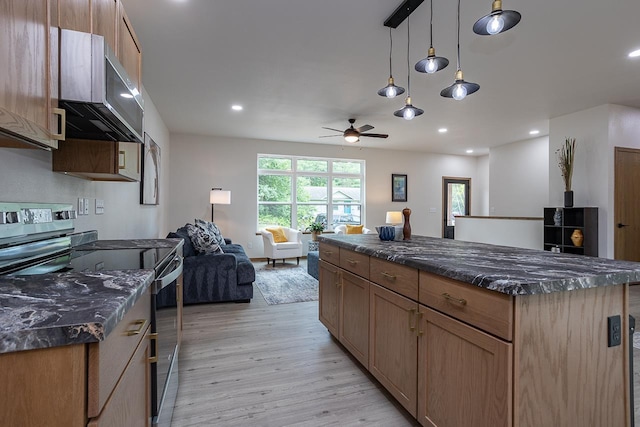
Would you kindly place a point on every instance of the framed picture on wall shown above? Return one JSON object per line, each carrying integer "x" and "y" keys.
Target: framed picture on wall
{"x": 398, "y": 188}
{"x": 150, "y": 178}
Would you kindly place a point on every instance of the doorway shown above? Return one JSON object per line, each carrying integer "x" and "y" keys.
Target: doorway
{"x": 626, "y": 190}
{"x": 455, "y": 201}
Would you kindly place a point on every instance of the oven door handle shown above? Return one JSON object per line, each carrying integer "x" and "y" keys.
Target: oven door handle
{"x": 163, "y": 281}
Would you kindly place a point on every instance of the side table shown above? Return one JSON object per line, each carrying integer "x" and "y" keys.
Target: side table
{"x": 313, "y": 246}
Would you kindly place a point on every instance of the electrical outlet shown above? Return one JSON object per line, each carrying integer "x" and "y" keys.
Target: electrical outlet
{"x": 614, "y": 327}
{"x": 80, "y": 206}
{"x": 86, "y": 206}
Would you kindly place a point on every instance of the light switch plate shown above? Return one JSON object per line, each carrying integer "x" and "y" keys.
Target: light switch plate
{"x": 99, "y": 206}
{"x": 80, "y": 206}
{"x": 86, "y": 206}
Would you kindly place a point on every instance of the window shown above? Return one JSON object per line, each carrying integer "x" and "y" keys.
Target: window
{"x": 297, "y": 191}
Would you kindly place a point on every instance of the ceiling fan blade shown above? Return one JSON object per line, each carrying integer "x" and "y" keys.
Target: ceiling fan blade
{"x": 328, "y": 136}
{"x": 375, "y": 135}
{"x": 335, "y": 130}
{"x": 364, "y": 128}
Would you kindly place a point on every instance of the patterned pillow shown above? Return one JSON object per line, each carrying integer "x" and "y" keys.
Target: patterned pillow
{"x": 212, "y": 229}
{"x": 202, "y": 240}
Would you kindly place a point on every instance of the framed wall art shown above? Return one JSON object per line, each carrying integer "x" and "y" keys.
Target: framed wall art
{"x": 398, "y": 188}
{"x": 150, "y": 180}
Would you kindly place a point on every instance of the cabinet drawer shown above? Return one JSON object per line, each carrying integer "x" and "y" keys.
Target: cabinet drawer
{"x": 108, "y": 359}
{"x": 330, "y": 253}
{"x": 397, "y": 277}
{"x": 355, "y": 262}
{"x": 487, "y": 310}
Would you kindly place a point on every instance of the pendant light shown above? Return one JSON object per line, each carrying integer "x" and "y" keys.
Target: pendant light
{"x": 391, "y": 90}
{"x": 459, "y": 89}
{"x": 431, "y": 63}
{"x": 498, "y": 21}
{"x": 408, "y": 112}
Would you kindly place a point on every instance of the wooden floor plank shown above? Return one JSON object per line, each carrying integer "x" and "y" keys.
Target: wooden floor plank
{"x": 260, "y": 365}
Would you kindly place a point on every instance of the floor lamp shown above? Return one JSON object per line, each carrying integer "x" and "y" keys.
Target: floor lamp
{"x": 220, "y": 197}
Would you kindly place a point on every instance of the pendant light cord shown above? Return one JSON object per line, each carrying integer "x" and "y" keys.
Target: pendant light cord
{"x": 408, "y": 67}
{"x": 458, "y": 35}
{"x": 390, "y": 49}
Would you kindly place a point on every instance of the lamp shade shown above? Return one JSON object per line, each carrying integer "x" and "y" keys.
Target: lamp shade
{"x": 219, "y": 196}
{"x": 394, "y": 217}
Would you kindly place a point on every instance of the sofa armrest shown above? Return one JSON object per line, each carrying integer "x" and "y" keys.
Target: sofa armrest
{"x": 210, "y": 260}
{"x": 228, "y": 241}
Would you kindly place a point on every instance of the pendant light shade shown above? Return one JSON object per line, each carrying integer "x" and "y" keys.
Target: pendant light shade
{"x": 390, "y": 90}
{"x": 498, "y": 21}
{"x": 459, "y": 89}
{"x": 431, "y": 63}
{"x": 408, "y": 112}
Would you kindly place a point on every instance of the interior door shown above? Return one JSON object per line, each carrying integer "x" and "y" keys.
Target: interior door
{"x": 627, "y": 204}
{"x": 455, "y": 201}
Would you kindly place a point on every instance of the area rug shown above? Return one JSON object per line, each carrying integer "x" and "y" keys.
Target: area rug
{"x": 285, "y": 284}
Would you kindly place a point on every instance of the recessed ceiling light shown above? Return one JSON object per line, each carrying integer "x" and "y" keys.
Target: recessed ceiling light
{"x": 469, "y": 151}
{"x": 236, "y": 107}
{"x": 534, "y": 132}
{"x": 634, "y": 54}
{"x": 443, "y": 130}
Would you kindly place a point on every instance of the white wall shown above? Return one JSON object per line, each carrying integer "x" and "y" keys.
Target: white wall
{"x": 199, "y": 163}
{"x": 26, "y": 176}
{"x": 597, "y": 131}
{"x": 519, "y": 233}
{"x": 519, "y": 178}
{"x": 481, "y": 189}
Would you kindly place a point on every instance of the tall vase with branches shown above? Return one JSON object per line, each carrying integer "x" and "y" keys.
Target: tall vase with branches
{"x": 565, "y": 156}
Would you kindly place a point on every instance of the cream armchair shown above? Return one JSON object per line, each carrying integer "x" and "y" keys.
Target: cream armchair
{"x": 342, "y": 229}
{"x": 291, "y": 248}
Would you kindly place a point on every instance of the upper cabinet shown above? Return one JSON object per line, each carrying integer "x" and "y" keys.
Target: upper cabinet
{"x": 28, "y": 76}
{"x": 104, "y": 20}
{"x": 129, "y": 52}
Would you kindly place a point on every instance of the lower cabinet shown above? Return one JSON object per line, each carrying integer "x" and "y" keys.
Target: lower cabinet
{"x": 329, "y": 297}
{"x": 464, "y": 374}
{"x": 393, "y": 344}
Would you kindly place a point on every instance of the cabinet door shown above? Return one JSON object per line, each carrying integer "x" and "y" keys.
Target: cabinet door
{"x": 354, "y": 316}
{"x": 329, "y": 297}
{"x": 393, "y": 344}
{"x": 129, "y": 160}
{"x": 129, "y": 52}
{"x": 104, "y": 14}
{"x": 25, "y": 72}
{"x": 130, "y": 403}
{"x": 465, "y": 375}
{"x": 75, "y": 15}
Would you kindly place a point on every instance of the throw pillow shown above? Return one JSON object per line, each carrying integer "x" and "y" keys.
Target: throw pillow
{"x": 213, "y": 229}
{"x": 278, "y": 234}
{"x": 202, "y": 240}
{"x": 354, "y": 229}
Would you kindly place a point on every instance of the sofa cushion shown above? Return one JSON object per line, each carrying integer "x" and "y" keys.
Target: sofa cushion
{"x": 246, "y": 272}
{"x": 182, "y": 233}
{"x": 213, "y": 229}
{"x": 202, "y": 240}
{"x": 278, "y": 235}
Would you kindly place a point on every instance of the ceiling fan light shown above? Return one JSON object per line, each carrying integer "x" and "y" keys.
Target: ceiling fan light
{"x": 391, "y": 90}
{"x": 351, "y": 135}
{"x": 408, "y": 112}
{"x": 351, "y": 139}
{"x": 498, "y": 21}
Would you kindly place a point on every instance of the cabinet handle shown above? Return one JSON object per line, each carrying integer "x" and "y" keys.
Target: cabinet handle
{"x": 352, "y": 262}
{"x": 388, "y": 276}
{"x": 141, "y": 325}
{"x": 154, "y": 337}
{"x": 63, "y": 123}
{"x": 327, "y": 252}
{"x": 460, "y": 301}
{"x": 411, "y": 313}
{"x": 420, "y": 331}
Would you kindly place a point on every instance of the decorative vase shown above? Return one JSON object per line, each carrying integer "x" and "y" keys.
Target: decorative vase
{"x": 386, "y": 232}
{"x": 557, "y": 217}
{"x": 315, "y": 234}
{"x": 568, "y": 199}
{"x": 406, "y": 230}
{"x": 577, "y": 237}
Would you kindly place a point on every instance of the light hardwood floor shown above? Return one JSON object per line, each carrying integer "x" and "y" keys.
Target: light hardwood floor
{"x": 260, "y": 365}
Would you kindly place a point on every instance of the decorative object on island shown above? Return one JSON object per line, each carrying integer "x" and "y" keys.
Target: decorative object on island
{"x": 394, "y": 217}
{"x": 316, "y": 229}
{"x": 220, "y": 197}
{"x": 565, "y": 156}
{"x": 406, "y": 231}
{"x": 150, "y": 179}
{"x": 577, "y": 237}
{"x": 560, "y": 236}
{"x": 386, "y": 232}
{"x": 398, "y": 187}
{"x": 557, "y": 217}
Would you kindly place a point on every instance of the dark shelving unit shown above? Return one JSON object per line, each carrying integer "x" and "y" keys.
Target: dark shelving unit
{"x": 584, "y": 219}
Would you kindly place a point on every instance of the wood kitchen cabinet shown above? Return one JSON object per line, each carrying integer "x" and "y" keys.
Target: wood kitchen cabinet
{"x": 329, "y": 297}
{"x": 129, "y": 52}
{"x": 28, "y": 75}
{"x": 98, "y": 160}
{"x": 104, "y": 20}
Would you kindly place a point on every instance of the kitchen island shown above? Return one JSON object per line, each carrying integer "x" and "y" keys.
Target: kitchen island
{"x": 468, "y": 334}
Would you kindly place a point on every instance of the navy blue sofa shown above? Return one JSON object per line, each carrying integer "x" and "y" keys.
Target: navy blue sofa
{"x": 216, "y": 277}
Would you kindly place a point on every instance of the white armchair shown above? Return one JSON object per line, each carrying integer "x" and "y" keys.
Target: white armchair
{"x": 291, "y": 248}
{"x": 342, "y": 229}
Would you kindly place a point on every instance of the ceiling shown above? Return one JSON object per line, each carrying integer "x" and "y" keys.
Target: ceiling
{"x": 299, "y": 65}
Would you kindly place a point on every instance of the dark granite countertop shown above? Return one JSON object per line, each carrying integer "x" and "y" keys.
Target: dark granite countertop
{"x": 510, "y": 270}
{"x": 57, "y": 309}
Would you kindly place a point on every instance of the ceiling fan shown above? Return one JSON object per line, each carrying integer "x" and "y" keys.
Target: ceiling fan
{"x": 353, "y": 135}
